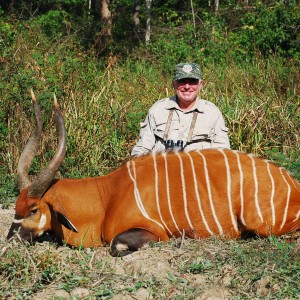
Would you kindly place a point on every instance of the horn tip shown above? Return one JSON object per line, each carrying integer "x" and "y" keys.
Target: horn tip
{"x": 55, "y": 103}
{"x": 33, "y": 98}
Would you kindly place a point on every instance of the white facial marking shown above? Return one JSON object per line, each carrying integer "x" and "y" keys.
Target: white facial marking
{"x": 18, "y": 221}
{"x": 43, "y": 221}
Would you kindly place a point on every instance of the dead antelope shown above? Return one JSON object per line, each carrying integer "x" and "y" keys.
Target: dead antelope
{"x": 152, "y": 198}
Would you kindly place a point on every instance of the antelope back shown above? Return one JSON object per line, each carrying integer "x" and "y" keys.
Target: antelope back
{"x": 209, "y": 192}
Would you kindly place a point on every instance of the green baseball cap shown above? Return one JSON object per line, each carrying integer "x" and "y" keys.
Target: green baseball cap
{"x": 187, "y": 70}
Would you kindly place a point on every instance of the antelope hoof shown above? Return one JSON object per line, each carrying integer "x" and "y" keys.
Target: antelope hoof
{"x": 130, "y": 241}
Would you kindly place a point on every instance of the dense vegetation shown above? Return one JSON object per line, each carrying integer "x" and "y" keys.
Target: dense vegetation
{"x": 249, "y": 53}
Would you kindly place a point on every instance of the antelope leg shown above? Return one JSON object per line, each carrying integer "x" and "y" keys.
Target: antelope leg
{"x": 130, "y": 241}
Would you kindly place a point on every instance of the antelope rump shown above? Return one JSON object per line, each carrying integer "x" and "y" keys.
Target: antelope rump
{"x": 152, "y": 198}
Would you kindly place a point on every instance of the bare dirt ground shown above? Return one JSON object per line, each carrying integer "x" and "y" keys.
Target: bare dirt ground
{"x": 180, "y": 269}
{"x": 147, "y": 267}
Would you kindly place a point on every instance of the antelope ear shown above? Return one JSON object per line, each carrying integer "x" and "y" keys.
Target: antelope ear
{"x": 62, "y": 219}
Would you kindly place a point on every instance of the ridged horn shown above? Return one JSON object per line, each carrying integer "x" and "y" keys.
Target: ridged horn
{"x": 43, "y": 180}
{"x": 30, "y": 148}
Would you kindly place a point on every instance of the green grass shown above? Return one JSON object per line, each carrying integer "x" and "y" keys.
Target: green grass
{"x": 252, "y": 269}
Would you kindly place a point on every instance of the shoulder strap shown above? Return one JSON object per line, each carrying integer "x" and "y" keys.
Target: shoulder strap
{"x": 195, "y": 114}
{"x": 169, "y": 121}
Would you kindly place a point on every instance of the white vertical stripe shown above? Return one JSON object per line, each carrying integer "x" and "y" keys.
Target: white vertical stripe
{"x": 157, "y": 193}
{"x": 297, "y": 216}
{"x": 241, "y": 187}
{"x": 272, "y": 194}
{"x": 137, "y": 195}
{"x": 198, "y": 196}
{"x": 228, "y": 175}
{"x": 168, "y": 192}
{"x": 287, "y": 199}
{"x": 184, "y": 192}
{"x": 209, "y": 193}
{"x": 294, "y": 181}
{"x": 256, "y": 188}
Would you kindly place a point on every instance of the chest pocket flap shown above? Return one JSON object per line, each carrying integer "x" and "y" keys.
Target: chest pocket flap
{"x": 202, "y": 134}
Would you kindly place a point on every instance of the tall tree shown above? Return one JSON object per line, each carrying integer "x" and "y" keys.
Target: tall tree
{"x": 105, "y": 35}
{"x": 148, "y": 6}
{"x": 136, "y": 13}
{"x": 106, "y": 18}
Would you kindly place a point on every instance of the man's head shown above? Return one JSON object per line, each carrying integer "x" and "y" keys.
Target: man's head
{"x": 187, "y": 83}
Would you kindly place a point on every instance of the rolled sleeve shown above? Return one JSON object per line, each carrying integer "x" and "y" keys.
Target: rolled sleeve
{"x": 147, "y": 139}
{"x": 220, "y": 139}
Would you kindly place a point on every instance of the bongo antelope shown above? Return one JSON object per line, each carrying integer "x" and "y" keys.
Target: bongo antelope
{"x": 199, "y": 194}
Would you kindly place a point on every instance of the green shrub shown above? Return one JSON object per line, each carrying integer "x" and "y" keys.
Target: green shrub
{"x": 270, "y": 30}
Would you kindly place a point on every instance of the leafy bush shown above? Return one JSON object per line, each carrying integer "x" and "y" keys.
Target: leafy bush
{"x": 54, "y": 23}
{"x": 270, "y": 30}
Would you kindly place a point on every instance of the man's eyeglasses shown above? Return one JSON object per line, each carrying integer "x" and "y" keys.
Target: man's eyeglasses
{"x": 191, "y": 81}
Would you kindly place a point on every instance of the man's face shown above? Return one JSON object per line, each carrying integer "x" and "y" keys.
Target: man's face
{"x": 187, "y": 90}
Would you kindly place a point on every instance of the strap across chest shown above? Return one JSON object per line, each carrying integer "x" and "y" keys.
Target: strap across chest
{"x": 169, "y": 121}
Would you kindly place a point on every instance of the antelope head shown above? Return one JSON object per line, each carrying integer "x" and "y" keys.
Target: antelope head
{"x": 32, "y": 215}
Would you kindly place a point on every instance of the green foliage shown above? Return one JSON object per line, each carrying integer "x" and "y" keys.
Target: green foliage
{"x": 292, "y": 163}
{"x": 270, "y": 30}
{"x": 198, "y": 266}
{"x": 7, "y": 34}
{"x": 54, "y": 23}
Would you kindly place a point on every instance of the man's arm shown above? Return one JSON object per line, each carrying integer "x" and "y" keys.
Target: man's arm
{"x": 221, "y": 139}
{"x": 147, "y": 139}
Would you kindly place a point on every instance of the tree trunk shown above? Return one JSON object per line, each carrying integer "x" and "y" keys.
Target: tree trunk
{"x": 216, "y": 7}
{"x": 148, "y": 4}
{"x": 136, "y": 13}
{"x": 104, "y": 37}
{"x": 193, "y": 16}
{"x": 106, "y": 18}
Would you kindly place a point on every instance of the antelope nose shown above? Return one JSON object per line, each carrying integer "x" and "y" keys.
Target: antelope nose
{"x": 13, "y": 229}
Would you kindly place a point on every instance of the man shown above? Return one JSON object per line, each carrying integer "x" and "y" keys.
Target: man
{"x": 183, "y": 121}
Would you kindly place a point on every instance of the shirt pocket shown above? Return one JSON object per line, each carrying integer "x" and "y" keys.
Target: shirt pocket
{"x": 159, "y": 131}
{"x": 202, "y": 134}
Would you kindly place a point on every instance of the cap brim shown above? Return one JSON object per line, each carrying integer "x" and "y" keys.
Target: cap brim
{"x": 181, "y": 76}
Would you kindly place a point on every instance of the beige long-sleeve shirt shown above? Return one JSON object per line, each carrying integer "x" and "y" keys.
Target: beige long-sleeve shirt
{"x": 209, "y": 131}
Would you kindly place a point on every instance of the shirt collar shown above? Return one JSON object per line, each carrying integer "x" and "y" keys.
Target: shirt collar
{"x": 172, "y": 104}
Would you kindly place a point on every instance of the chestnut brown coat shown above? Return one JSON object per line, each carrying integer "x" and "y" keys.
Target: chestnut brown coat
{"x": 152, "y": 198}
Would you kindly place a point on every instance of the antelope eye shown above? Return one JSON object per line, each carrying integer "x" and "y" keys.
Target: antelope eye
{"x": 33, "y": 212}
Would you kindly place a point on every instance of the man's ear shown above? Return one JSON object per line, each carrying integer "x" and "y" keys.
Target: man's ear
{"x": 62, "y": 219}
